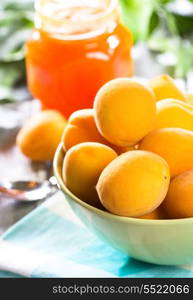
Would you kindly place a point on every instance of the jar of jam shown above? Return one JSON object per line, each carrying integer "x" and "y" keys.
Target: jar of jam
{"x": 76, "y": 47}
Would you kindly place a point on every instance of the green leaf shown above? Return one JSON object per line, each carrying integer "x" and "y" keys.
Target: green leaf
{"x": 5, "y": 95}
{"x": 184, "y": 58}
{"x": 16, "y": 22}
{"x": 136, "y": 15}
{"x": 12, "y": 73}
{"x": 153, "y": 23}
{"x": 17, "y": 5}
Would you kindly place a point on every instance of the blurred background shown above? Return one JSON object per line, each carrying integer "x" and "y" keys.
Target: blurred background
{"x": 162, "y": 31}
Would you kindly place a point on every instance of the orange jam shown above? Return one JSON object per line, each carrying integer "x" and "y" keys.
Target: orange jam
{"x": 75, "y": 47}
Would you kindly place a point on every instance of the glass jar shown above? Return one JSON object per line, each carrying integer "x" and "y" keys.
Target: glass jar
{"x": 75, "y": 47}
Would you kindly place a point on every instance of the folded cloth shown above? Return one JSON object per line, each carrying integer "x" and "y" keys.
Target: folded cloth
{"x": 52, "y": 242}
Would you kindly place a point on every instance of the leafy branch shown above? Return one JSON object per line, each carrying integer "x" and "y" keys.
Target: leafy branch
{"x": 165, "y": 26}
{"x": 16, "y": 21}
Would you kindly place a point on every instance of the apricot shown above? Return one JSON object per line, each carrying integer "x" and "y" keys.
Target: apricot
{"x": 40, "y": 135}
{"x": 134, "y": 184}
{"x": 175, "y": 145}
{"x": 165, "y": 87}
{"x": 82, "y": 166}
{"x": 81, "y": 128}
{"x": 179, "y": 200}
{"x": 174, "y": 113}
{"x": 124, "y": 111}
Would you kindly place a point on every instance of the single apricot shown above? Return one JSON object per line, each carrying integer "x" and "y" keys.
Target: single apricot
{"x": 175, "y": 145}
{"x": 179, "y": 200}
{"x": 164, "y": 87}
{"x": 82, "y": 166}
{"x": 134, "y": 184}
{"x": 174, "y": 113}
{"x": 81, "y": 128}
{"x": 40, "y": 135}
{"x": 124, "y": 111}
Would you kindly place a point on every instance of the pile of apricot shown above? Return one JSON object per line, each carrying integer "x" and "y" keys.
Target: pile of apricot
{"x": 132, "y": 154}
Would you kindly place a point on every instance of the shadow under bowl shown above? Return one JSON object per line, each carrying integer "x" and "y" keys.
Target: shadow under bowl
{"x": 166, "y": 242}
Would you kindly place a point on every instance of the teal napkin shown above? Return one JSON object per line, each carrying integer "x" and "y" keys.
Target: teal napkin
{"x": 52, "y": 242}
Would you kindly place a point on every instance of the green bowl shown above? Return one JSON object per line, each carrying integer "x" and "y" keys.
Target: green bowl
{"x": 166, "y": 242}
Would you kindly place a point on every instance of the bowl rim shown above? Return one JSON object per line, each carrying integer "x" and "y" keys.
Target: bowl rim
{"x": 98, "y": 211}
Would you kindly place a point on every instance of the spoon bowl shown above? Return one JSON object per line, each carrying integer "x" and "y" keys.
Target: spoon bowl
{"x": 28, "y": 190}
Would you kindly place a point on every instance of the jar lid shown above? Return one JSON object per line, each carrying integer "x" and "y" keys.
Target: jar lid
{"x": 76, "y": 18}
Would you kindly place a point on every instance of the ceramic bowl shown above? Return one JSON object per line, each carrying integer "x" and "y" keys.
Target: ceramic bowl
{"x": 166, "y": 242}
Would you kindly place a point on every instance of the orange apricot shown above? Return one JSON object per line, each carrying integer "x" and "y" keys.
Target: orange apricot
{"x": 82, "y": 166}
{"x": 40, "y": 135}
{"x": 134, "y": 184}
{"x": 165, "y": 87}
{"x": 124, "y": 111}
{"x": 175, "y": 145}
{"x": 179, "y": 200}
{"x": 81, "y": 128}
{"x": 174, "y": 113}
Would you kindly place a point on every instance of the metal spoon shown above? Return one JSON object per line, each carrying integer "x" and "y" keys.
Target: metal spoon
{"x": 28, "y": 190}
